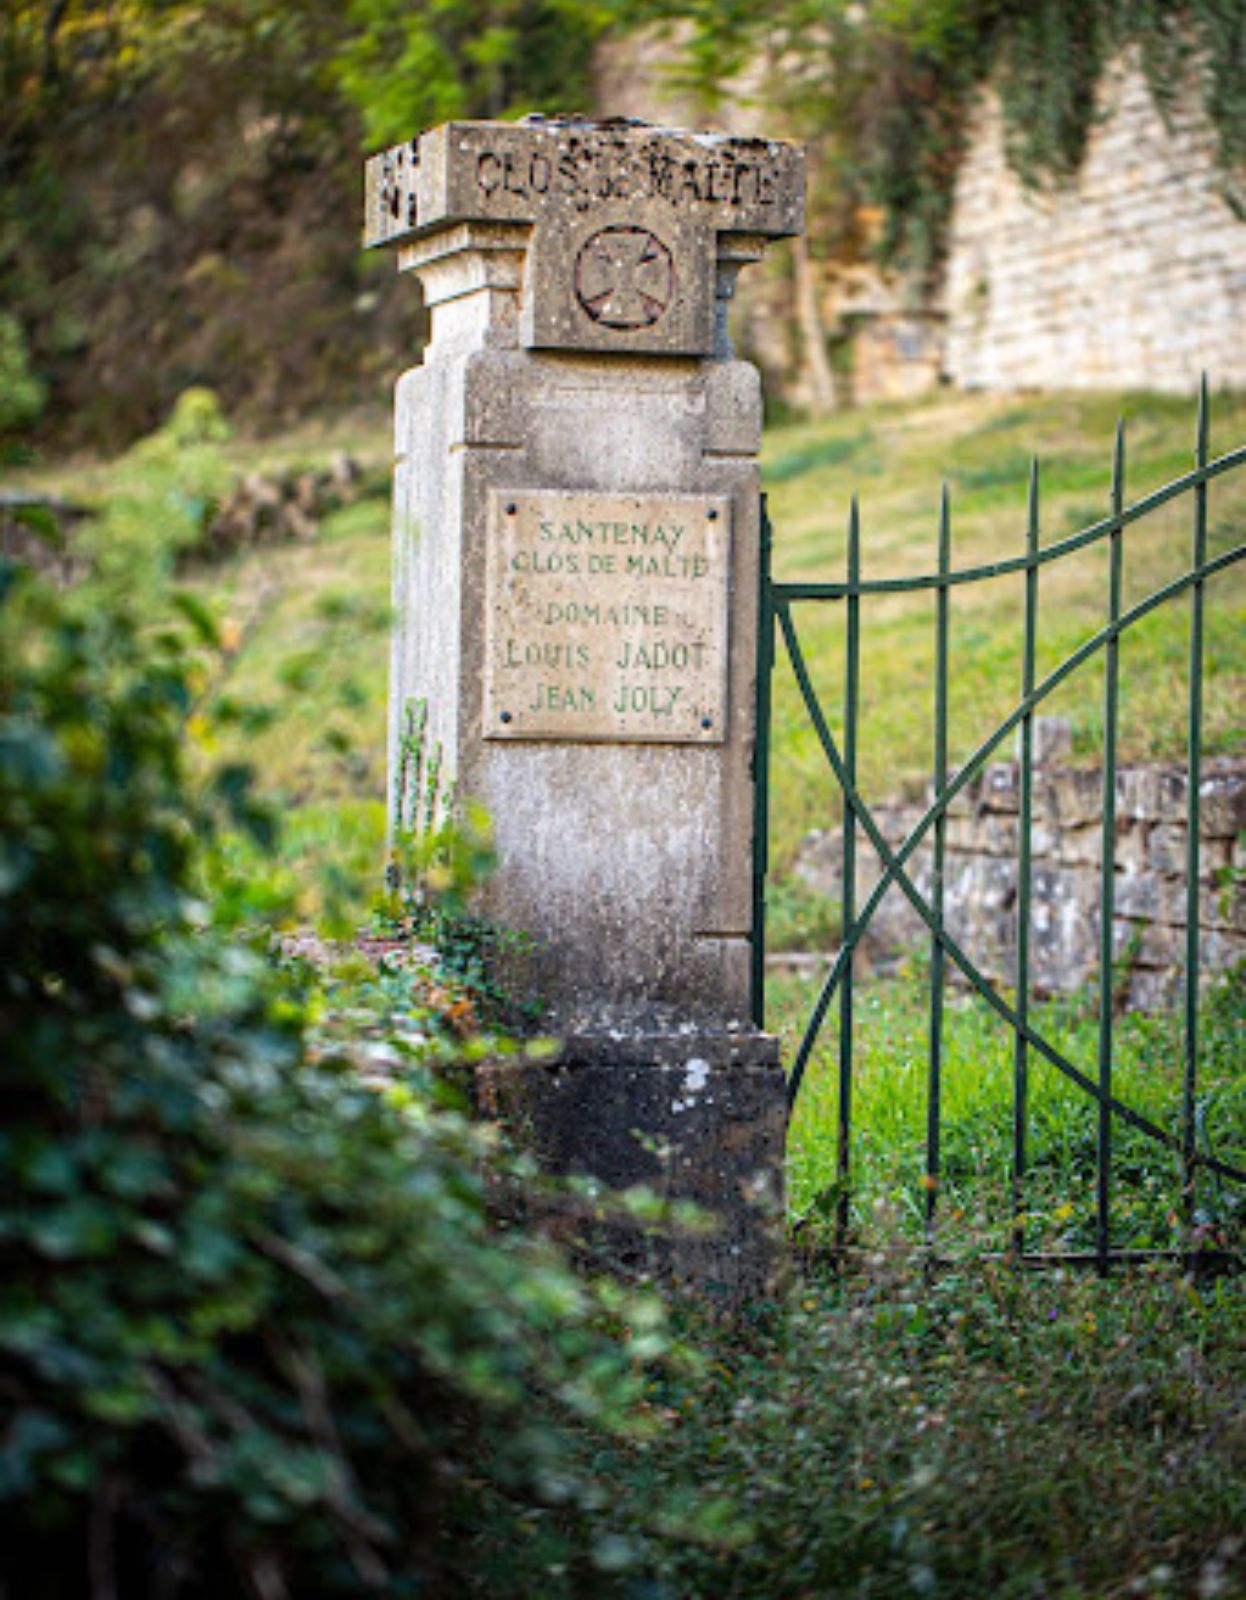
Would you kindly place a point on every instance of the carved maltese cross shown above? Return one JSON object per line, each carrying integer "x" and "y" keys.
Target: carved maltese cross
{"x": 624, "y": 277}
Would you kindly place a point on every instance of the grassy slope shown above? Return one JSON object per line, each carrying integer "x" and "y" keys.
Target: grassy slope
{"x": 306, "y": 627}
{"x": 313, "y": 616}
{"x": 895, "y": 458}
{"x": 890, "y": 1094}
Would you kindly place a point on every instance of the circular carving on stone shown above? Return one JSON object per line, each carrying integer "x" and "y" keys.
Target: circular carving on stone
{"x": 624, "y": 277}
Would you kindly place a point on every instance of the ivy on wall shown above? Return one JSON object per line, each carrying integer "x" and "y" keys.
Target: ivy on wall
{"x": 882, "y": 89}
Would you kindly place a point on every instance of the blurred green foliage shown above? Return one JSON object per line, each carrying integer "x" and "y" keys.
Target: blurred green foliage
{"x": 408, "y": 67}
{"x": 161, "y": 497}
{"x": 177, "y": 180}
{"x": 22, "y": 395}
{"x": 179, "y": 183}
{"x": 258, "y": 1331}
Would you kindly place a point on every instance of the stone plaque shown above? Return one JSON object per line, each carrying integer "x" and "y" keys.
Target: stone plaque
{"x": 606, "y": 616}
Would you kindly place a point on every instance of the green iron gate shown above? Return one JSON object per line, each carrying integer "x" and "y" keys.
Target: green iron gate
{"x": 779, "y": 604}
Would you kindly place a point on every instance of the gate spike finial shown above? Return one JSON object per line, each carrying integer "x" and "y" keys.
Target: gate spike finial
{"x": 1118, "y": 466}
{"x": 1203, "y": 426}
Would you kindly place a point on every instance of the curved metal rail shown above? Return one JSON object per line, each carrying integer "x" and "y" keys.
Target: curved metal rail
{"x": 776, "y": 619}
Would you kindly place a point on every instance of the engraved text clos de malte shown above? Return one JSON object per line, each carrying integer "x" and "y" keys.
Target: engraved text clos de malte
{"x": 625, "y": 221}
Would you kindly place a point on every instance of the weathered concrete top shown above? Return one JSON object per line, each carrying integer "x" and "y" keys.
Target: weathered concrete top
{"x": 520, "y": 172}
{"x": 624, "y": 218}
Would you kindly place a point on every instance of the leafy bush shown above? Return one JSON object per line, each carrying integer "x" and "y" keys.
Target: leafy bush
{"x": 257, "y": 1332}
{"x": 22, "y": 395}
{"x": 196, "y": 418}
{"x": 162, "y": 495}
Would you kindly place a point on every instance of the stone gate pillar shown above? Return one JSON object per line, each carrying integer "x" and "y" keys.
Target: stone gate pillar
{"x": 575, "y": 585}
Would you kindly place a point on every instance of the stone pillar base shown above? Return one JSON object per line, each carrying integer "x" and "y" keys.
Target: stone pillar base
{"x": 691, "y": 1115}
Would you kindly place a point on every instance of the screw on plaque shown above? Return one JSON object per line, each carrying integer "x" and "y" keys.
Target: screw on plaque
{"x": 511, "y": 508}
{"x": 713, "y": 514}
{"x": 506, "y": 716}
{"x": 707, "y": 722}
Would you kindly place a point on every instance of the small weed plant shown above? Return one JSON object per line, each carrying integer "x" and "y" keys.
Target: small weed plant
{"x": 984, "y": 1432}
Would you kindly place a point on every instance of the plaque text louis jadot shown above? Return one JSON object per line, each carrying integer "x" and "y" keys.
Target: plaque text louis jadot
{"x": 607, "y": 616}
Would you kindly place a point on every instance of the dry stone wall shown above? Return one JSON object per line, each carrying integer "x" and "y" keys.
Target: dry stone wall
{"x": 1132, "y": 276}
{"x": 980, "y": 879}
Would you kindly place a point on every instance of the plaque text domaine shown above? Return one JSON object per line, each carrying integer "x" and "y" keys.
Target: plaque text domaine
{"x": 607, "y": 617}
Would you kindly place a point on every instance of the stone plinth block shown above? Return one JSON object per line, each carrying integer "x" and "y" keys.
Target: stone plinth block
{"x": 691, "y": 1116}
{"x": 576, "y": 535}
{"x": 585, "y": 665}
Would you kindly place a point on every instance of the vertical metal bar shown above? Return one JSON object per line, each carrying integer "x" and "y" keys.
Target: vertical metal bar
{"x": 1193, "y": 819}
{"x": 852, "y": 667}
{"x": 1021, "y": 1048}
{"x": 934, "y": 1087}
{"x": 761, "y": 771}
{"x": 1107, "y": 896}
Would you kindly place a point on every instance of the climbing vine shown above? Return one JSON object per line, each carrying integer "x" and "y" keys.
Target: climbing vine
{"x": 882, "y": 90}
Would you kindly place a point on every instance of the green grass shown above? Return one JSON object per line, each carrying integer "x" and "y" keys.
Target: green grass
{"x": 984, "y": 1433}
{"x": 299, "y": 691}
{"x": 313, "y": 625}
{"x": 365, "y": 435}
{"x": 895, "y": 458}
{"x": 889, "y": 1107}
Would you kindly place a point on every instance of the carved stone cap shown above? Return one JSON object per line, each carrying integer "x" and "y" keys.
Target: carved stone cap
{"x": 523, "y": 172}
{"x": 625, "y": 218}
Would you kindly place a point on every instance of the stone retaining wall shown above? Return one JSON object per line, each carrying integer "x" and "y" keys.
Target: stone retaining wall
{"x": 981, "y": 876}
{"x": 1132, "y": 276}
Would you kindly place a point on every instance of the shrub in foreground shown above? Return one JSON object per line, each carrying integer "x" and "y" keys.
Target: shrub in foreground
{"x": 257, "y": 1334}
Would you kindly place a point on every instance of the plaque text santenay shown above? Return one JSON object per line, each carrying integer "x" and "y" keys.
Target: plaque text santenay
{"x": 607, "y": 616}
